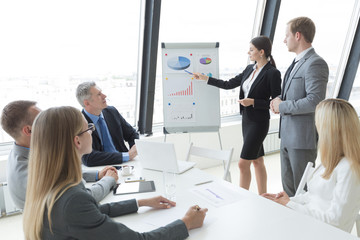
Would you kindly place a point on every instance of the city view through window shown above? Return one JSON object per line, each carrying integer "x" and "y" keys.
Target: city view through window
{"x": 48, "y": 47}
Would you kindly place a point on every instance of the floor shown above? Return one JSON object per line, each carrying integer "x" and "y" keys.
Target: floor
{"x": 272, "y": 163}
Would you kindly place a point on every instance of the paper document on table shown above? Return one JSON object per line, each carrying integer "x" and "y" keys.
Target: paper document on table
{"x": 216, "y": 194}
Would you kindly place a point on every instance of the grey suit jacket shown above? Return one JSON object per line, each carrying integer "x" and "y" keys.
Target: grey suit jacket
{"x": 17, "y": 173}
{"x": 305, "y": 88}
{"x": 76, "y": 215}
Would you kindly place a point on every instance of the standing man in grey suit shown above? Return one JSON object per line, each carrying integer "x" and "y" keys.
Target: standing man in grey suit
{"x": 304, "y": 86}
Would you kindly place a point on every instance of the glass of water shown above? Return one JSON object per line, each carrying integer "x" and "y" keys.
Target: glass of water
{"x": 170, "y": 185}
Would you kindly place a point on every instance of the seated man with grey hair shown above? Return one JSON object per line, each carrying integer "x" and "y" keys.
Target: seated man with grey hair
{"x": 16, "y": 119}
{"x": 112, "y": 130}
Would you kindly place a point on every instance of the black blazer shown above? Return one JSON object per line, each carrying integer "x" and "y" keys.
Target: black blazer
{"x": 120, "y": 131}
{"x": 266, "y": 86}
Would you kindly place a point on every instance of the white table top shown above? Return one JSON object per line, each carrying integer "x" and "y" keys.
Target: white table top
{"x": 249, "y": 217}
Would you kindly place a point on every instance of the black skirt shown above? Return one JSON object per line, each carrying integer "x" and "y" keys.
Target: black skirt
{"x": 254, "y": 134}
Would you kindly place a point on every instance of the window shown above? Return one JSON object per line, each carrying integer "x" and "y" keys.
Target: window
{"x": 330, "y": 36}
{"x": 354, "y": 98}
{"x": 49, "y": 47}
{"x": 205, "y": 21}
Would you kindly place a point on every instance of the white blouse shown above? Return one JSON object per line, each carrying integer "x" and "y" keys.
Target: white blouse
{"x": 250, "y": 80}
{"x": 335, "y": 200}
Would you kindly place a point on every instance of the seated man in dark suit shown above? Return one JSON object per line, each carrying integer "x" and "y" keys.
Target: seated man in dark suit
{"x": 111, "y": 128}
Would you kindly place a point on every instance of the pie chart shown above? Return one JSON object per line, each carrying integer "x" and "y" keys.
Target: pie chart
{"x": 178, "y": 63}
{"x": 205, "y": 60}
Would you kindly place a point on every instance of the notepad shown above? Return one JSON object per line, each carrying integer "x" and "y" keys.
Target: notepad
{"x": 134, "y": 187}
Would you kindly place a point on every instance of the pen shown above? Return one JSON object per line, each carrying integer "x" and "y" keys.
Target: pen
{"x": 200, "y": 183}
{"x": 189, "y": 72}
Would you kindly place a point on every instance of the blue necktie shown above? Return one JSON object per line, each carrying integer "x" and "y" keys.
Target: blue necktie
{"x": 105, "y": 137}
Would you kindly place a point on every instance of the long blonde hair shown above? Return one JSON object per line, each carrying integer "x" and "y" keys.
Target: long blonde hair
{"x": 54, "y": 165}
{"x": 339, "y": 134}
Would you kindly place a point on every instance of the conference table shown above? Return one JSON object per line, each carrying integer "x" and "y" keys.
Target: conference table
{"x": 233, "y": 213}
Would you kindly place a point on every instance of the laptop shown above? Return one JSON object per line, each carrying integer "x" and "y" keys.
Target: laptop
{"x": 160, "y": 156}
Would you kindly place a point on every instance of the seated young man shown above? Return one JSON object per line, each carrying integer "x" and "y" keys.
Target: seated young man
{"x": 17, "y": 119}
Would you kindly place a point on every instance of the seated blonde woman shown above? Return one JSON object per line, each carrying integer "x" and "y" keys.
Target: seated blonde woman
{"x": 333, "y": 194}
{"x": 57, "y": 204}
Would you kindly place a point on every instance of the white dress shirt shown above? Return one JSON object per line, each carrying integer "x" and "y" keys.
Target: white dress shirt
{"x": 300, "y": 56}
{"x": 335, "y": 200}
{"x": 250, "y": 80}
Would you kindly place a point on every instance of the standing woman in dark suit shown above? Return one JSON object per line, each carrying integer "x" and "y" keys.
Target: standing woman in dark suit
{"x": 258, "y": 83}
{"x": 57, "y": 204}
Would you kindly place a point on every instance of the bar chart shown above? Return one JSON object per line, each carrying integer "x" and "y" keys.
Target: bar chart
{"x": 186, "y": 92}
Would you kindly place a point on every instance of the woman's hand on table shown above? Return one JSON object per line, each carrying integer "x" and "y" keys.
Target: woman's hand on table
{"x": 158, "y": 202}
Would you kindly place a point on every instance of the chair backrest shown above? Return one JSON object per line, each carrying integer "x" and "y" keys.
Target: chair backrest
{"x": 357, "y": 224}
{"x": 3, "y": 166}
{"x": 307, "y": 173}
{"x": 7, "y": 206}
{"x": 221, "y": 155}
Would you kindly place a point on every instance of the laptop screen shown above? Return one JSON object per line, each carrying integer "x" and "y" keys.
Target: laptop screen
{"x": 160, "y": 156}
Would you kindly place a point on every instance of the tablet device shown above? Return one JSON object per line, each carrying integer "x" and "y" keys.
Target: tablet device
{"x": 134, "y": 187}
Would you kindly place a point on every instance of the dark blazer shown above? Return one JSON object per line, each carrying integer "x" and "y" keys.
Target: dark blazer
{"x": 120, "y": 131}
{"x": 76, "y": 215}
{"x": 266, "y": 85}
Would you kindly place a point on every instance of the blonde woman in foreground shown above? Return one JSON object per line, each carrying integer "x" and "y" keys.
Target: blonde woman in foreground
{"x": 333, "y": 194}
{"x": 57, "y": 205}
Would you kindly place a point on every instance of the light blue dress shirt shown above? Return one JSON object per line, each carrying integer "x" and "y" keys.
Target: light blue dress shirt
{"x": 95, "y": 120}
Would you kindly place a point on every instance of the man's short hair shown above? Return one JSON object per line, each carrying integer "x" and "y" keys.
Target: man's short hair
{"x": 15, "y": 116}
{"x": 305, "y": 26}
{"x": 83, "y": 92}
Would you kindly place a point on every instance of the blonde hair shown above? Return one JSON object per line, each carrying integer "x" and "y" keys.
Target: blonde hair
{"x": 54, "y": 165}
{"x": 339, "y": 134}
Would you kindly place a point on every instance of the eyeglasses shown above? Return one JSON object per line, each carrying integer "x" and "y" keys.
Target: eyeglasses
{"x": 91, "y": 127}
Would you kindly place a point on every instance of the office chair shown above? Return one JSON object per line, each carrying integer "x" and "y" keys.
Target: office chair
{"x": 307, "y": 173}
{"x": 221, "y": 155}
{"x": 7, "y": 206}
{"x": 357, "y": 224}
